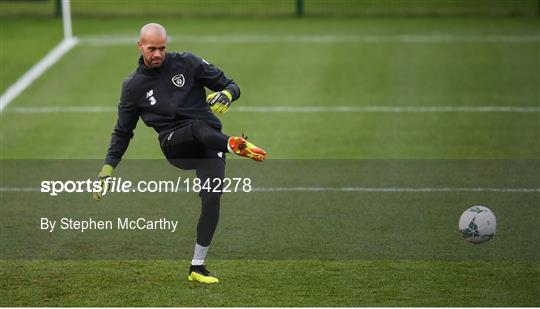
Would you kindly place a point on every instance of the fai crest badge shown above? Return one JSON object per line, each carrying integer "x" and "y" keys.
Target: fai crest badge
{"x": 178, "y": 80}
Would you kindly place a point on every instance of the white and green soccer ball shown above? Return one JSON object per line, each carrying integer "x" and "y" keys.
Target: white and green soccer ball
{"x": 477, "y": 224}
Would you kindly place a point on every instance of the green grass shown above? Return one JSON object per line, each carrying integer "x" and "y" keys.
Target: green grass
{"x": 381, "y": 74}
{"x": 270, "y": 283}
{"x": 286, "y": 249}
{"x": 273, "y": 8}
{"x": 23, "y": 43}
{"x": 279, "y": 249}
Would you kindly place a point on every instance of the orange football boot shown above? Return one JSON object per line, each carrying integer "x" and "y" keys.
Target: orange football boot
{"x": 240, "y": 146}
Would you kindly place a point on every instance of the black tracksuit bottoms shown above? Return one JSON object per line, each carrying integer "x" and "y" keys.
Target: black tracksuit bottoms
{"x": 201, "y": 147}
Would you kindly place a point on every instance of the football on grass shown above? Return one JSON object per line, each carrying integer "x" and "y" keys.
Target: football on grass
{"x": 477, "y": 224}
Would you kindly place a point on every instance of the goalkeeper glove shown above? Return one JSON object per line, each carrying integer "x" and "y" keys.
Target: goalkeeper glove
{"x": 219, "y": 102}
{"x": 106, "y": 172}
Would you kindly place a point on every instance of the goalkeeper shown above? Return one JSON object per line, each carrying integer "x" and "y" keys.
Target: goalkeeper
{"x": 167, "y": 90}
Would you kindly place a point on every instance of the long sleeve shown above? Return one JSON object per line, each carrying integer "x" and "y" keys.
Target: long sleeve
{"x": 128, "y": 115}
{"x": 213, "y": 78}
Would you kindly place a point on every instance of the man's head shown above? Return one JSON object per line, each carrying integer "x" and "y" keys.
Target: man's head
{"x": 152, "y": 43}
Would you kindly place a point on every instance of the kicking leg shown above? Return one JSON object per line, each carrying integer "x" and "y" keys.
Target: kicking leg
{"x": 209, "y": 137}
{"x": 214, "y": 139}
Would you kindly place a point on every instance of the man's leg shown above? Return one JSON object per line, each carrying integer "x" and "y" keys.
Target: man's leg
{"x": 211, "y": 169}
{"x": 214, "y": 139}
{"x": 209, "y": 137}
{"x": 198, "y": 142}
{"x": 183, "y": 151}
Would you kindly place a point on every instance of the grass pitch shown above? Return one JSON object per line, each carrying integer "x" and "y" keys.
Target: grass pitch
{"x": 290, "y": 248}
{"x": 270, "y": 283}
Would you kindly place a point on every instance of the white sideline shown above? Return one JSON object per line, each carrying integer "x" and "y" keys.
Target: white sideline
{"x": 369, "y": 189}
{"x": 307, "y": 109}
{"x": 345, "y": 189}
{"x": 24, "y": 81}
{"x": 322, "y": 39}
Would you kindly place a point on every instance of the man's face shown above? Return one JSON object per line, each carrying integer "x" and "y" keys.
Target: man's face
{"x": 153, "y": 50}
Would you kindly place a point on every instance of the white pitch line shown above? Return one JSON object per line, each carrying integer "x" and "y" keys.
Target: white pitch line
{"x": 19, "y": 189}
{"x": 323, "y": 39}
{"x": 306, "y": 109}
{"x": 388, "y": 109}
{"x": 345, "y": 189}
{"x": 371, "y": 189}
{"x": 63, "y": 109}
{"x": 39, "y": 68}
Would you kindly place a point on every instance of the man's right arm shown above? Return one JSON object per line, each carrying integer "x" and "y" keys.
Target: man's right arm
{"x": 128, "y": 115}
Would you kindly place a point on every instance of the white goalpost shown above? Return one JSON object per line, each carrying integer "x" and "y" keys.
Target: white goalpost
{"x": 66, "y": 19}
{"x": 68, "y": 42}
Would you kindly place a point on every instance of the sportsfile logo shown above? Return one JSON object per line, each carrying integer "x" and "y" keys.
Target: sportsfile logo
{"x": 113, "y": 184}
{"x": 53, "y": 187}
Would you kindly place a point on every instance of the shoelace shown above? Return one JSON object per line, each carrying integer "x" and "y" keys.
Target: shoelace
{"x": 202, "y": 269}
{"x": 243, "y": 145}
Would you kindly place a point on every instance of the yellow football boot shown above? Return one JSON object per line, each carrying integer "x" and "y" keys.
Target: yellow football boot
{"x": 200, "y": 274}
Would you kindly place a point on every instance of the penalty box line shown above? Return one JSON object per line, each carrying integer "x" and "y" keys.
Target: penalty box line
{"x": 36, "y": 71}
{"x": 346, "y": 189}
{"x": 104, "y": 40}
{"x": 306, "y": 109}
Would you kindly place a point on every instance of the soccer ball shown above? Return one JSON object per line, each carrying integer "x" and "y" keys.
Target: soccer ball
{"x": 477, "y": 224}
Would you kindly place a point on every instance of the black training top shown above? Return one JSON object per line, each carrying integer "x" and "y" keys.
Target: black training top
{"x": 167, "y": 97}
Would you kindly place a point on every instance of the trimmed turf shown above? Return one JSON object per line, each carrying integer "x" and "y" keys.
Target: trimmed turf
{"x": 23, "y": 43}
{"x": 271, "y": 283}
{"x": 311, "y": 74}
{"x": 289, "y": 249}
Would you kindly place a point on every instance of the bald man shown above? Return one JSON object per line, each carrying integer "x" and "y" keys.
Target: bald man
{"x": 167, "y": 91}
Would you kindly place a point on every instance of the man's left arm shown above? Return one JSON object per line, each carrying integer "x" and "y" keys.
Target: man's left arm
{"x": 226, "y": 90}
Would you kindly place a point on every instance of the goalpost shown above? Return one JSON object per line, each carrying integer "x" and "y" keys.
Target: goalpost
{"x": 68, "y": 42}
{"x": 66, "y": 19}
